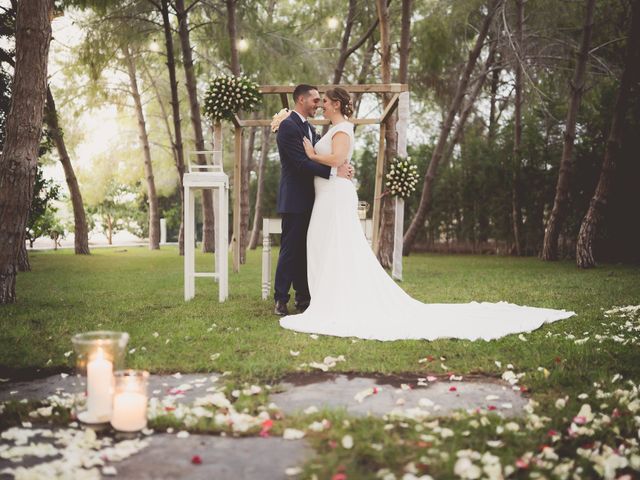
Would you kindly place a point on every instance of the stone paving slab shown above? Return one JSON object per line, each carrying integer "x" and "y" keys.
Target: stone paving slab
{"x": 222, "y": 458}
{"x": 159, "y": 386}
{"x": 170, "y": 457}
{"x": 339, "y": 391}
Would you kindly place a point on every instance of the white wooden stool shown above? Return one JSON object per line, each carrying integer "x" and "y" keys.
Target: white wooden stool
{"x": 214, "y": 180}
{"x": 274, "y": 226}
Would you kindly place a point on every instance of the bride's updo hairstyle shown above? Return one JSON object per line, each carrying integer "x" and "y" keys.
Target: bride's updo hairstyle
{"x": 338, "y": 94}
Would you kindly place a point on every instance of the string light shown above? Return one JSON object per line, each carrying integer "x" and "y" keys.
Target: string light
{"x": 332, "y": 23}
{"x": 154, "y": 46}
{"x": 243, "y": 45}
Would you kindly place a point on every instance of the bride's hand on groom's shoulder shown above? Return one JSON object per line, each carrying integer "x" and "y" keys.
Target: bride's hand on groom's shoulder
{"x": 308, "y": 148}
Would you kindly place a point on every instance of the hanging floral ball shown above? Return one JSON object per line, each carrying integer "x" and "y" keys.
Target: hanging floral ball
{"x": 227, "y": 95}
{"x": 402, "y": 178}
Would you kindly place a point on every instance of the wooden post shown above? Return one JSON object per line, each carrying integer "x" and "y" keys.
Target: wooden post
{"x": 377, "y": 199}
{"x": 398, "y": 234}
{"x": 217, "y": 143}
{"x": 237, "y": 179}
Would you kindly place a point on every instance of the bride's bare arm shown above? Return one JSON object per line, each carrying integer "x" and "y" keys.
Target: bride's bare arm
{"x": 340, "y": 144}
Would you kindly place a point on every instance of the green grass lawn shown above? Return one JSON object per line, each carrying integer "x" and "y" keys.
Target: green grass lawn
{"x": 141, "y": 292}
{"x": 591, "y": 358}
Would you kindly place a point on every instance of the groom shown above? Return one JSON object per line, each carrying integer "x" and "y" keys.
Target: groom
{"x": 296, "y": 196}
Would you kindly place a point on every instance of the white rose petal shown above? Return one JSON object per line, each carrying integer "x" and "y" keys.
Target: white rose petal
{"x": 292, "y": 434}
{"x": 347, "y": 442}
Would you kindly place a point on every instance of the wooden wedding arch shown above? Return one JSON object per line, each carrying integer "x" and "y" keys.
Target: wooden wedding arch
{"x": 396, "y": 91}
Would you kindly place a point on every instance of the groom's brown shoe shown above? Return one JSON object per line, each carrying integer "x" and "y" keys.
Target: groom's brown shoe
{"x": 281, "y": 309}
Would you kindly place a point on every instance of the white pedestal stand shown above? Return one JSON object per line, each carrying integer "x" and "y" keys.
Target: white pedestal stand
{"x": 219, "y": 182}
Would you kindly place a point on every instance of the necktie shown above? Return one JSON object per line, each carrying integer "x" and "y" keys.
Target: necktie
{"x": 307, "y": 128}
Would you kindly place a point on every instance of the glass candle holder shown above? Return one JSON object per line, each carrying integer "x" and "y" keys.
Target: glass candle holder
{"x": 130, "y": 401}
{"x": 98, "y": 355}
{"x": 363, "y": 208}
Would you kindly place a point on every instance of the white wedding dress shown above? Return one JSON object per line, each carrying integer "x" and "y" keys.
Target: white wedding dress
{"x": 353, "y": 296}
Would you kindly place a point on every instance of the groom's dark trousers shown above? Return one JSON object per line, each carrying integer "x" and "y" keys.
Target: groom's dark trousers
{"x": 295, "y": 202}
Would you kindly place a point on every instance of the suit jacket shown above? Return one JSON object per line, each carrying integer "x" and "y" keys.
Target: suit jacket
{"x": 296, "y": 193}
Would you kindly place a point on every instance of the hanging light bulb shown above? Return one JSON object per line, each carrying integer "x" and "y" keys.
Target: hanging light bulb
{"x": 332, "y": 23}
{"x": 154, "y": 47}
{"x": 243, "y": 45}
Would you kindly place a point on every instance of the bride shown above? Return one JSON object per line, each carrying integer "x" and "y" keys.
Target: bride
{"x": 351, "y": 294}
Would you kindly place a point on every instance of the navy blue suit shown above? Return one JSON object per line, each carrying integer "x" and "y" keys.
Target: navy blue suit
{"x": 295, "y": 202}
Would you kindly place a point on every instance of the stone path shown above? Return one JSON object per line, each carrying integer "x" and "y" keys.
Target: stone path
{"x": 439, "y": 398}
{"x": 222, "y": 458}
{"x": 159, "y": 386}
{"x": 218, "y": 458}
{"x": 169, "y": 456}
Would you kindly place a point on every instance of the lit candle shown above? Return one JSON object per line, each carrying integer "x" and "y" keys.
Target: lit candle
{"x": 130, "y": 406}
{"x": 99, "y": 387}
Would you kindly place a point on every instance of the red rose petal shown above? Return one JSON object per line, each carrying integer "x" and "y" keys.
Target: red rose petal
{"x": 196, "y": 460}
{"x": 453, "y": 389}
{"x": 339, "y": 476}
{"x": 491, "y": 407}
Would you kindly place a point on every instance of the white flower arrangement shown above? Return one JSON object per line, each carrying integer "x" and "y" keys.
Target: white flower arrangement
{"x": 402, "y": 178}
{"x": 278, "y": 118}
{"x": 227, "y": 95}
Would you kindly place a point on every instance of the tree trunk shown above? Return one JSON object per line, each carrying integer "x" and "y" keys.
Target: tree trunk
{"x": 208, "y": 233}
{"x": 469, "y": 103}
{"x": 597, "y": 207}
{"x": 427, "y": 192}
{"x": 405, "y": 41}
{"x": 175, "y": 106}
{"x": 493, "y": 124}
{"x": 345, "y": 49}
{"x": 387, "y": 220}
{"x": 23, "y": 130}
{"x": 257, "y": 215}
{"x": 81, "y": 232}
{"x": 154, "y": 216}
{"x": 558, "y": 213}
{"x": 245, "y": 200}
{"x": 22, "y": 261}
{"x": 109, "y": 230}
{"x": 243, "y": 240}
{"x": 174, "y": 150}
{"x": 516, "y": 213}
{"x": 234, "y": 66}
{"x": 365, "y": 69}
{"x": 387, "y": 228}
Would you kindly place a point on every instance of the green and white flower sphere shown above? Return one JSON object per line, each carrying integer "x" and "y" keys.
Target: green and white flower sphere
{"x": 402, "y": 178}
{"x": 227, "y": 95}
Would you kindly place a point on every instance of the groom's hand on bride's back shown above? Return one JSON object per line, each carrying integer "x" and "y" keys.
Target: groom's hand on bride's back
{"x": 346, "y": 171}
